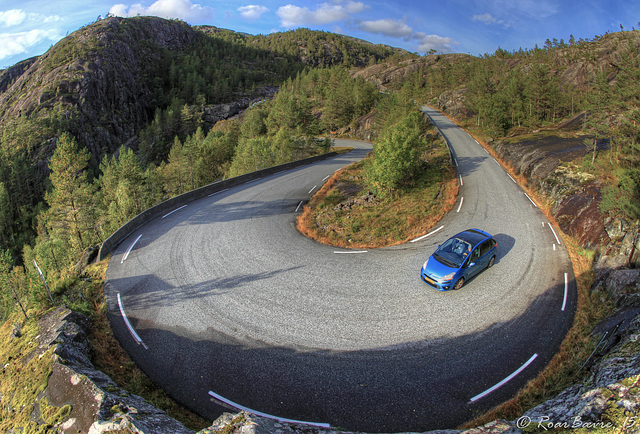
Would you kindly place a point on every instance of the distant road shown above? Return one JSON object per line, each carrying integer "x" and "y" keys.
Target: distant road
{"x": 225, "y": 296}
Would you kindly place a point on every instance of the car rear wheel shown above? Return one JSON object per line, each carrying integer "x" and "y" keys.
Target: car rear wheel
{"x": 491, "y": 262}
{"x": 459, "y": 283}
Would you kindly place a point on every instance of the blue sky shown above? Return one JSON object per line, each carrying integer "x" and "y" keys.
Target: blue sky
{"x": 31, "y": 27}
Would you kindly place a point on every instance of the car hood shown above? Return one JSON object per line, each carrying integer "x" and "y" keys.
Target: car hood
{"x": 437, "y": 269}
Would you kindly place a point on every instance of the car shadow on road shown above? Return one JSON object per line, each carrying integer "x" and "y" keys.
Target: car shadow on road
{"x": 505, "y": 244}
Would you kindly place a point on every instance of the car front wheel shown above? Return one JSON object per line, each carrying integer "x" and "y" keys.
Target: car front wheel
{"x": 459, "y": 283}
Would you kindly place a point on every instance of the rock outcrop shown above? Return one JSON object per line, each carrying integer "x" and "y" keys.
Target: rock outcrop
{"x": 98, "y": 405}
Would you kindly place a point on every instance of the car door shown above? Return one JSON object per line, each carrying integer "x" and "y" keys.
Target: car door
{"x": 484, "y": 248}
{"x": 472, "y": 264}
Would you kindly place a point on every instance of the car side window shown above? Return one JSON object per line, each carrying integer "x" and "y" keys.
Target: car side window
{"x": 486, "y": 246}
{"x": 475, "y": 254}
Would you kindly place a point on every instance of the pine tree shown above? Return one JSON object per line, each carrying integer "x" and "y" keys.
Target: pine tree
{"x": 71, "y": 213}
{"x": 13, "y": 287}
{"x": 396, "y": 155}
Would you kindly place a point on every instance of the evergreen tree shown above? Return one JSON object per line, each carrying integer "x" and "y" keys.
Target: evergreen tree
{"x": 71, "y": 214}
{"x": 396, "y": 155}
{"x": 13, "y": 286}
{"x": 123, "y": 189}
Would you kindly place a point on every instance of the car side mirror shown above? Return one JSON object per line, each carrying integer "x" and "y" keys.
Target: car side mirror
{"x": 472, "y": 264}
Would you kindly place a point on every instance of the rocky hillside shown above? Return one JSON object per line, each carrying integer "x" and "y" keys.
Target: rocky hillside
{"x": 92, "y": 83}
{"x": 104, "y": 81}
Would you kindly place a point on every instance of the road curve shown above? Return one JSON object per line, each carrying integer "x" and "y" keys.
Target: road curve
{"x": 225, "y": 296}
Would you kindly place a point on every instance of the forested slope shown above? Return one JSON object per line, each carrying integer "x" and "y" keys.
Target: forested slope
{"x": 141, "y": 82}
{"x": 517, "y": 94}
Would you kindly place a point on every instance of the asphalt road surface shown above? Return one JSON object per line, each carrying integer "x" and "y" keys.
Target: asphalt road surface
{"x": 224, "y": 298}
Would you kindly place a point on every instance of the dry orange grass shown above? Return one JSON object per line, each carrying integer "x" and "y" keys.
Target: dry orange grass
{"x": 412, "y": 225}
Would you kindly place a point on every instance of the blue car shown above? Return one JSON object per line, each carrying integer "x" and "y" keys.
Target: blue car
{"x": 459, "y": 259}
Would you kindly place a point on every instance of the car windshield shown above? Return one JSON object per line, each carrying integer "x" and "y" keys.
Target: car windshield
{"x": 453, "y": 252}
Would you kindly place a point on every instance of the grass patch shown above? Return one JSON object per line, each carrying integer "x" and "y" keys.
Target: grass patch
{"x": 383, "y": 221}
{"x": 26, "y": 368}
{"x": 25, "y": 373}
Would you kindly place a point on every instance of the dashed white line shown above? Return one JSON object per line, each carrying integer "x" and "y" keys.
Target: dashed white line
{"x": 503, "y": 382}
{"x": 554, "y": 233}
{"x": 514, "y": 181}
{"x": 461, "y": 181}
{"x": 177, "y": 209}
{"x": 235, "y": 406}
{"x": 460, "y": 206}
{"x": 128, "y": 324}
{"x": 531, "y": 200}
{"x": 326, "y": 177}
{"x": 425, "y": 236}
{"x": 566, "y": 291}
{"x": 314, "y": 187}
{"x": 217, "y": 192}
{"x": 126, "y": 255}
{"x": 299, "y": 205}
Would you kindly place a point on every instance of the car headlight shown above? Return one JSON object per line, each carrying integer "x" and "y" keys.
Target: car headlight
{"x": 448, "y": 276}
{"x": 424, "y": 266}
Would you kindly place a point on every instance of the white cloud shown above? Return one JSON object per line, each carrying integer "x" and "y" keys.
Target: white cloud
{"x": 292, "y": 16}
{"x": 252, "y": 12}
{"x": 16, "y": 17}
{"x": 182, "y": 9}
{"x": 434, "y": 42}
{"x": 487, "y": 19}
{"x": 13, "y": 17}
{"x": 400, "y": 29}
{"x": 387, "y": 27}
{"x": 12, "y": 44}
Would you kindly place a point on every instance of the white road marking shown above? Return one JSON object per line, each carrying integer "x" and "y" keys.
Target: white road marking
{"x": 258, "y": 413}
{"x": 461, "y": 181}
{"x": 461, "y": 200}
{"x": 128, "y": 324}
{"x": 425, "y": 236}
{"x": 455, "y": 162}
{"x": 314, "y": 187}
{"x": 530, "y": 200}
{"x": 514, "y": 181}
{"x": 177, "y": 209}
{"x": 299, "y": 205}
{"x": 350, "y": 251}
{"x": 217, "y": 192}
{"x": 554, "y": 234}
{"x": 126, "y": 255}
{"x": 326, "y": 177}
{"x": 566, "y": 291}
{"x": 503, "y": 382}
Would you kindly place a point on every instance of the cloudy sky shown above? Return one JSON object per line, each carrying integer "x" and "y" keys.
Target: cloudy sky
{"x": 31, "y": 27}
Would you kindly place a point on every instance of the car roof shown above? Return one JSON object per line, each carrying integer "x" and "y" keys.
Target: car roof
{"x": 473, "y": 236}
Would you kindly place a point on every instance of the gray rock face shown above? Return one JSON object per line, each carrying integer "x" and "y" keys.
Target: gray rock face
{"x": 610, "y": 395}
{"x": 98, "y": 404}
